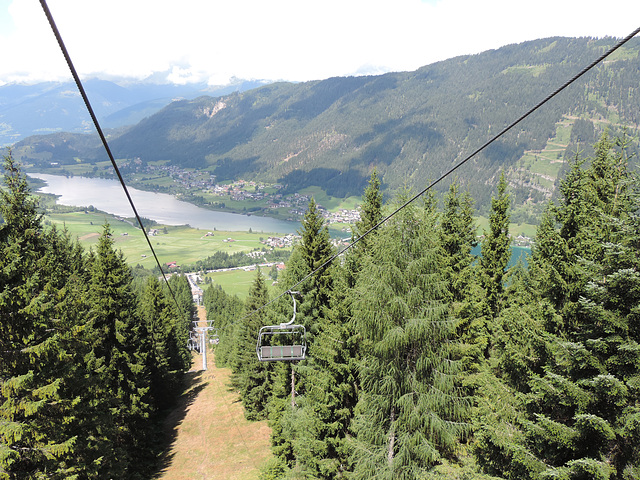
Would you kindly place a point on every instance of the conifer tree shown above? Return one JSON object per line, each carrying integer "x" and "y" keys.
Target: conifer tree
{"x": 370, "y": 211}
{"x": 179, "y": 324}
{"x": 155, "y": 338}
{"x": 40, "y": 341}
{"x": 580, "y": 375}
{"x": 496, "y": 248}
{"x": 289, "y": 439}
{"x": 224, "y": 310}
{"x": 326, "y": 410}
{"x": 119, "y": 395}
{"x": 251, "y": 376}
{"x": 323, "y": 417}
{"x": 410, "y": 412}
{"x": 315, "y": 249}
{"x": 457, "y": 234}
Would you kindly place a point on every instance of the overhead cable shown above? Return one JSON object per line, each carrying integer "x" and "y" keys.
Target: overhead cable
{"x": 76, "y": 78}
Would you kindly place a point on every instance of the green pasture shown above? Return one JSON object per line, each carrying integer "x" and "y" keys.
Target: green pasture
{"x": 180, "y": 243}
{"x": 543, "y": 167}
{"x": 515, "y": 229}
{"x": 533, "y": 70}
{"x": 332, "y": 204}
{"x": 238, "y": 282}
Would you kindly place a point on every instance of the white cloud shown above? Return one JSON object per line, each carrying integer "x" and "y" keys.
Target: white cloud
{"x": 282, "y": 39}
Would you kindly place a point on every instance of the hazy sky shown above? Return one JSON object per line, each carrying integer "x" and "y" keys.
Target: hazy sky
{"x": 295, "y": 40}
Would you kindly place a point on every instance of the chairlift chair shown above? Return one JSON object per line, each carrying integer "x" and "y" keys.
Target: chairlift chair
{"x": 214, "y": 338}
{"x": 294, "y": 337}
{"x": 193, "y": 343}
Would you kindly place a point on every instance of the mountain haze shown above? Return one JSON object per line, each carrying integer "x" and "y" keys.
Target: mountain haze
{"x": 49, "y": 107}
{"x": 412, "y": 126}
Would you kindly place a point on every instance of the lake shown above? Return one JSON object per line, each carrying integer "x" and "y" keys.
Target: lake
{"x": 108, "y": 196}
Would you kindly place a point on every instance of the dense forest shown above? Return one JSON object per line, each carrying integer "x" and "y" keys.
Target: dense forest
{"x": 91, "y": 357}
{"x": 425, "y": 362}
{"x": 410, "y": 126}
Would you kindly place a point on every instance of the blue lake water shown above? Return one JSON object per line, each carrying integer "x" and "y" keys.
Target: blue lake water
{"x": 108, "y": 196}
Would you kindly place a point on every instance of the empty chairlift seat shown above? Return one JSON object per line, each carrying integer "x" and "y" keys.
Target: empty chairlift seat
{"x": 283, "y": 342}
{"x": 282, "y": 352}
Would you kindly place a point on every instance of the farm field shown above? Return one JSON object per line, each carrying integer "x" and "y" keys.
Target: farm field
{"x": 180, "y": 244}
{"x": 238, "y": 282}
{"x": 186, "y": 245}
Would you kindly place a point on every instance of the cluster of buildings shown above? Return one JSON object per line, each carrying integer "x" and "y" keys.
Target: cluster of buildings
{"x": 342, "y": 216}
{"x": 201, "y": 180}
{"x": 282, "y": 242}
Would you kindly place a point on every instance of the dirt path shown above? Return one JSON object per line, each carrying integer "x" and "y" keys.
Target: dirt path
{"x": 211, "y": 438}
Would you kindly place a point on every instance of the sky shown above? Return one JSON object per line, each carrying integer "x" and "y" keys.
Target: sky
{"x": 215, "y": 41}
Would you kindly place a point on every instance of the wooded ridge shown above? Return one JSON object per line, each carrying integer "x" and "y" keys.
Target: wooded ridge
{"x": 411, "y": 126}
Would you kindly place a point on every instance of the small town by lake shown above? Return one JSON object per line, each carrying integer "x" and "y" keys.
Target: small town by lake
{"x": 108, "y": 196}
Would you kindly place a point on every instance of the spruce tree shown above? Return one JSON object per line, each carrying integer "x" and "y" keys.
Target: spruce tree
{"x": 179, "y": 324}
{"x": 315, "y": 249}
{"x": 224, "y": 310}
{"x": 370, "y": 211}
{"x": 157, "y": 316}
{"x": 327, "y": 408}
{"x": 580, "y": 376}
{"x": 251, "y": 376}
{"x": 38, "y": 384}
{"x": 289, "y": 436}
{"x": 410, "y": 413}
{"x": 119, "y": 395}
{"x": 495, "y": 249}
{"x": 457, "y": 234}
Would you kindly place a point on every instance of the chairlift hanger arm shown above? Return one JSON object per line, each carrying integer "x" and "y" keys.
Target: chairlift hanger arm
{"x": 293, "y": 319}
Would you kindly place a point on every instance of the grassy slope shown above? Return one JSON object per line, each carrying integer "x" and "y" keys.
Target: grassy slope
{"x": 211, "y": 438}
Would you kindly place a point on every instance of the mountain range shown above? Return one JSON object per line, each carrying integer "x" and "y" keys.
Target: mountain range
{"x": 411, "y": 126}
{"x": 48, "y": 107}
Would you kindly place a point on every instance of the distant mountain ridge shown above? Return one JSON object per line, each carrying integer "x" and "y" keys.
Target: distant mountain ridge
{"x": 49, "y": 107}
{"x": 412, "y": 126}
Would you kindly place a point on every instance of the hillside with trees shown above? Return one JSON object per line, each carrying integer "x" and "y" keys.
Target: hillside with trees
{"x": 427, "y": 363}
{"x": 411, "y": 126}
{"x": 90, "y": 358}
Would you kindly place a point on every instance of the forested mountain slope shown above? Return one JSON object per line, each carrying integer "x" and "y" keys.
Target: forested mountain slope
{"x": 425, "y": 362}
{"x": 413, "y": 126}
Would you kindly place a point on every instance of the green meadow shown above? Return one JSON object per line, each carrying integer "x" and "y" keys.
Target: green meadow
{"x": 180, "y": 244}
{"x": 238, "y": 282}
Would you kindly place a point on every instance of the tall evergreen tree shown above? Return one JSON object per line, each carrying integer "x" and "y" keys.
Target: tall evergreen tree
{"x": 410, "y": 412}
{"x": 224, "y": 310}
{"x": 36, "y": 382}
{"x": 314, "y": 250}
{"x": 179, "y": 326}
{"x": 370, "y": 211}
{"x": 251, "y": 376}
{"x": 581, "y": 418}
{"x": 495, "y": 249}
{"x": 458, "y": 237}
{"x": 119, "y": 395}
{"x": 327, "y": 408}
{"x": 157, "y": 317}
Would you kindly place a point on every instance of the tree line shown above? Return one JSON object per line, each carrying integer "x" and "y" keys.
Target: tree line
{"x": 425, "y": 362}
{"x": 90, "y": 358}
